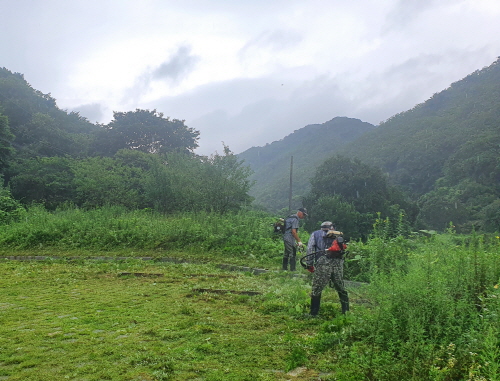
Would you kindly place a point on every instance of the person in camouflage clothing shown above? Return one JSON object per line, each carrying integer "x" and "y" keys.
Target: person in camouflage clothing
{"x": 327, "y": 266}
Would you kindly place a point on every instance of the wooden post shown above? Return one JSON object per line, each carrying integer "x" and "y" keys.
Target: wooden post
{"x": 290, "y": 192}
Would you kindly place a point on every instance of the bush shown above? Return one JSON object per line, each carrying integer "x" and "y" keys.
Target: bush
{"x": 10, "y": 209}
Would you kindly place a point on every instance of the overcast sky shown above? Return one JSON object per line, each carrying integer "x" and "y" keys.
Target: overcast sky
{"x": 246, "y": 72}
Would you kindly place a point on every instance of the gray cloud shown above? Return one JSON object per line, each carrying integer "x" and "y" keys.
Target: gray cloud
{"x": 387, "y": 59}
{"x": 402, "y": 86}
{"x": 254, "y": 112}
{"x": 173, "y": 70}
{"x": 405, "y": 11}
{"x": 274, "y": 40}
{"x": 243, "y": 113}
{"x": 177, "y": 67}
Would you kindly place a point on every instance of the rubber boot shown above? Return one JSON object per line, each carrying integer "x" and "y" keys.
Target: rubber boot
{"x": 285, "y": 264}
{"x": 315, "y": 303}
{"x": 293, "y": 264}
{"x": 344, "y": 301}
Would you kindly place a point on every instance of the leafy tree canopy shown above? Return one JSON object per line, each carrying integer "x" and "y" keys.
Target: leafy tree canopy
{"x": 147, "y": 131}
{"x": 39, "y": 127}
{"x": 6, "y": 138}
{"x": 348, "y": 191}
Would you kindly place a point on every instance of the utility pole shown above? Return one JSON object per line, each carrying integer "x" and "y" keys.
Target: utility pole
{"x": 290, "y": 192}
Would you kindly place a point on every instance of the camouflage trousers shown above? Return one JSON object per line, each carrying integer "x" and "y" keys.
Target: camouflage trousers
{"x": 327, "y": 269}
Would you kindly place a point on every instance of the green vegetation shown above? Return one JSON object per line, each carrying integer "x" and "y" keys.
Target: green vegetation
{"x": 167, "y": 183}
{"x": 244, "y": 235}
{"x": 445, "y": 152}
{"x": 309, "y": 146}
{"x": 357, "y": 195}
{"x": 83, "y": 321}
{"x": 429, "y": 309}
{"x": 130, "y": 226}
{"x": 5, "y": 141}
{"x": 140, "y": 159}
{"x": 10, "y": 209}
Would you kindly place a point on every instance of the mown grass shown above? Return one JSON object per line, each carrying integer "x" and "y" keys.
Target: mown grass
{"x": 83, "y": 321}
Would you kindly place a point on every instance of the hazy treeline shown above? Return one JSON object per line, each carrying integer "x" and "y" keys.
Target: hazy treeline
{"x": 427, "y": 168}
{"x": 443, "y": 153}
{"x": 141, "y": 159}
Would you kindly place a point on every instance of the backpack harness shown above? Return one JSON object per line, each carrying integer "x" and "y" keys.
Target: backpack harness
{"x": 335, "y": 247}
{"x": 280, "y": 225}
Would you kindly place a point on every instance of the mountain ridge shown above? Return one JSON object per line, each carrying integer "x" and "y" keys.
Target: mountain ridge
{"x": 309, "y": 146}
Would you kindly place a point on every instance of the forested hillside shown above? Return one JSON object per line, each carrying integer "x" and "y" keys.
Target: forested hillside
{"x": 426, "y": 168}
{"x": 443, "y": 153}
{"x": 141, "y": 159}
{"x": 309, "y": 146}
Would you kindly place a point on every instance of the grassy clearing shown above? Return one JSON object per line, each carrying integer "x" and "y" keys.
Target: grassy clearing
{"x": 83, "y": 321}
{"x": 431, "y": 310}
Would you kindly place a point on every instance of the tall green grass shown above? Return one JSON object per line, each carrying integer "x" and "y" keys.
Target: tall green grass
{"x": 433, "y": 312}
{"x": 244, "y": 234}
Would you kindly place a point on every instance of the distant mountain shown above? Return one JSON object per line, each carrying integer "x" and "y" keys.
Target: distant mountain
{"x": 309, "y": 147}
{"x": 444, "y": 152}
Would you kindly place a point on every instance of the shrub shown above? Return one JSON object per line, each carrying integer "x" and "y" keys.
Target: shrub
{"x": 10, "y": 209}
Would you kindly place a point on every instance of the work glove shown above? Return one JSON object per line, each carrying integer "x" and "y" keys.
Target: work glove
{"x": 300, "y": 244}
{"x": 310, "y": 269}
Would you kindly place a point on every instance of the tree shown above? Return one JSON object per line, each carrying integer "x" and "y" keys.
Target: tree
{"x": 108, "y": 181}
{"x": 357, "y": 183}
{"x": 181, "y": 182}
{"x": 346, "y": 218}
{"x": 39, "y": 126}
{"x": 491, "y": 219}
{"x": 441, "y": 207}
{"x": 10, "y": 209}
{"x": 227, "y": 182}
{"x": 146, "y": 131}
{"x": 47, "y": 180}
{"x": 346, "y": 181}
{"x": 46, "y": 136}
{"x": 6, "y": 138}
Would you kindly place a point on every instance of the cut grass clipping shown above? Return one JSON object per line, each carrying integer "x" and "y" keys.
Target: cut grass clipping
{"x": 151, "y": 321}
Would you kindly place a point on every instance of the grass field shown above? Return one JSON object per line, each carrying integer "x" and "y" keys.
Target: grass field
{"x": 96, "y": 320}
{"x": 429, "y": 311}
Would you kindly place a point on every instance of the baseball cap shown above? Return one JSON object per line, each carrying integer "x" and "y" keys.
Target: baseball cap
{"x": 303, "y": 210}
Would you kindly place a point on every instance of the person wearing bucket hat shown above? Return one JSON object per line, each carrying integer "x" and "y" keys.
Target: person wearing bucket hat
{"x": 291, "y": 239}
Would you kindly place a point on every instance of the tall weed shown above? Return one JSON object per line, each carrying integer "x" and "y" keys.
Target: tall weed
{"x": 240, "y": 234}
{"x": 435, "y": 311}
